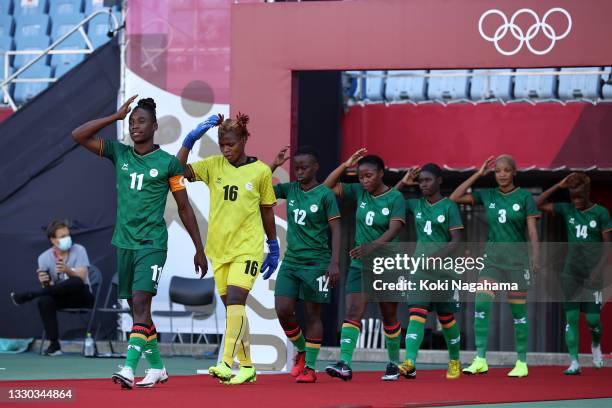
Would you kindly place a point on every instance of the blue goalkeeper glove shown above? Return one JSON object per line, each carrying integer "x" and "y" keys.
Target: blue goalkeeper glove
{"x": 202, "y": 128}
{"x": 271, "y": 262}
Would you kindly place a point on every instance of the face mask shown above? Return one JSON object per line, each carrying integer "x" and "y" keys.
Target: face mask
{"x": 64, "y": 243}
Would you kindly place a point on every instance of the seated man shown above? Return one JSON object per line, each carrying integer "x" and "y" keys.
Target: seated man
{"x": 62, "y": 272}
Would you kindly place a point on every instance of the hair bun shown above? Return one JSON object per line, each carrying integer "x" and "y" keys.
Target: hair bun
{"x": 242, "y": 119}
{"x": 148, "y": 102}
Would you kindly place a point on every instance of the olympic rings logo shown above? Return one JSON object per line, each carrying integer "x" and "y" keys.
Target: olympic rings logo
{"x": 525, "y": 37}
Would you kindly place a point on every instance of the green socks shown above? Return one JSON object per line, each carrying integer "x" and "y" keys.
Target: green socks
{"x": 482, "y": 311}
{"x": 392, "y": 342}
{"x": 297, "y": 338}
{"x": 312, "y": 351}
{"x": 572, "y": 318}
{"x": 151, "y": 350}
{"x": 452, "y": 335}
{"x": 414, "y": 332}
{"x": 594, "y": 322}
{"x": 136, "y": 344}
{"x": 521, "y": 329}
{"x": 348, "y": 340}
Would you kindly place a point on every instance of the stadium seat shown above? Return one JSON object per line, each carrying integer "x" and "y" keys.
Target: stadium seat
{"x": 445, "y": 88}
{"x": 65, "y": 7}
{"x": 6, "y": 44}
{"x": 24, "y": 91}
{"x": 489, "y": 87}
{"x": 26, "y": 7}
{"x": 375, "y": 86}
{"x": 535, "y": 86}
{"x": 606, "y": 89}
{"x": 32, "y": 26}
{"x": 6, "y": 7}
{"x": 579, "y": 86}
{"x": 406, "y": 88}
{"x": 7, "y": 26}
{"x": 98, "y": 29}
{"x": 61, "y": 69}
{"x": 95, "y": 5}
{"x": 29, "y": 44}
{"x": 64, "y": 23}
{"x": 354, "y": 85}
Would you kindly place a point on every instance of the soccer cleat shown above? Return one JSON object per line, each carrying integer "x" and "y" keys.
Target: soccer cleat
{"x": 124, "y": 377}
{"x": 308, "y": 375}
{"x": 573, "y": 369}
{"x": 340, "y": 370}
{"x": 407, "y": 369}
{"x": 299, "y": 362}
{"x": 245, "y": 375}
{"x": 597, "y": 356}
{"x": 519, "y": 370}
{"x": 154, "y": 376}
{"x": 454, "y": 370}
{"x": 478, "y": 366}
{"x": 221, "y": 371}
{"x": 391, "y": 372}
{"x": 53, "y": 350}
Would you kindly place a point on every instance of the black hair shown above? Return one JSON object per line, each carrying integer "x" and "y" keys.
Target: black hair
{"x": 372, "y": 159}
{"x": 54, "y": 226}
{"x": 433, "y": 169}
{"x": 307, "y": 150}
{"x": 148, "y": 104}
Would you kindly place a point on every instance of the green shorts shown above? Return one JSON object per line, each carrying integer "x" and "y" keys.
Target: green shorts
{"x": 440, "y": 301}
{"x": 577, "y": 288}
{"x": 521, "y": 277}
{"x": 353, "y": 279}
{"x": 139, "y": 270}
{"x": 304, "y": 282}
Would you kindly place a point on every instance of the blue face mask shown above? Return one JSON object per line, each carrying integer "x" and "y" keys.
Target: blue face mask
{"x": 65, "y": 243}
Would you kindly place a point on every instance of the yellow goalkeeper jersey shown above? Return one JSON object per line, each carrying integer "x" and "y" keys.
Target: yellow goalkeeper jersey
{"x": 235, "y": 228}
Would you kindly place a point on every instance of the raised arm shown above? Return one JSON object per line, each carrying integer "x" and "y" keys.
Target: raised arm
{"x": 332, "y": 180}
{"x": 195, "y": 135}
{"x": 460, "y": 195}
{"x": 409, "y": 178}
{"x": 84, "y": 134}
{"x": 542, "y": 201}
{"x": 188, "y": 219}
{"x": 280, "y": 158}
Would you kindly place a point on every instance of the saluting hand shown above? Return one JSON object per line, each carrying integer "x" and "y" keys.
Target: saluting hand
{"x": 281, "y": 157}
{"x": 125, "y": 108}
{"x": 355, "y": 157}
{"x": 486, "y": 166}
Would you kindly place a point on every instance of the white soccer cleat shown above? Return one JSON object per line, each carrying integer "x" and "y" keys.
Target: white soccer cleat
{"x": 597, "y": 356}
{"x": 124, "y": 377}
{"x": 154, "y": 376}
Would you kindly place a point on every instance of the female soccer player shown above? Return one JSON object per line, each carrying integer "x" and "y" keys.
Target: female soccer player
{"x": 511, "y": 214}
{"x": 309, "y": 268}
{"x": 380, "y": 215}
{"x": 587, "y": 225}
{"x": 144, "y": 173}
{"x": 438, "y": 231}
{"x": 241, "y": 201}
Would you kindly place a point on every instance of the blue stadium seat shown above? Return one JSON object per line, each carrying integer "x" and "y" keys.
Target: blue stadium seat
{"x": 7, "y": 25}
{"x": 60, "y": 70}
{"x": 499, "y": 86}
{"x": 98, "y": 29}
{"x": 445, "y": 88}
{"x": 375, "y": 86}
{"x": 64, "y": 23}
{"x": 6, "y": 7}
{"x": 32, "y": 26}
{"x": 406, "y": 88}
{"x": 579, "y": 86}
{"x": 25, "y": 7}
{"x": 95, "y": 5}
{"x": 6, "y": 44}
{"x": 65, "y": 7}
{"x": 72, "y": 43}
{"x": 24, "y": 91}
{"x": 354, "y": 85}
{"x": 535, "y": 86}
{"x": 606, "y": 89}
{"x": 28, "y": 44}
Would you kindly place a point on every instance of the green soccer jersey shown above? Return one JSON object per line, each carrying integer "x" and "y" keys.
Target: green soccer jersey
{"x": 584, "y": 230}
{"x": 433, "y": 222}
{"x": 308, "y": 216}
{"x": 507, "y": 215}
{"x": 143, "y": 183}
{"x": 374, "y": 214}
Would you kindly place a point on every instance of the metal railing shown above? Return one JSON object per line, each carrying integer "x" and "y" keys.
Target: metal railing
{"x": 8, "y": 80}
{"x": 487, "y": 98}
